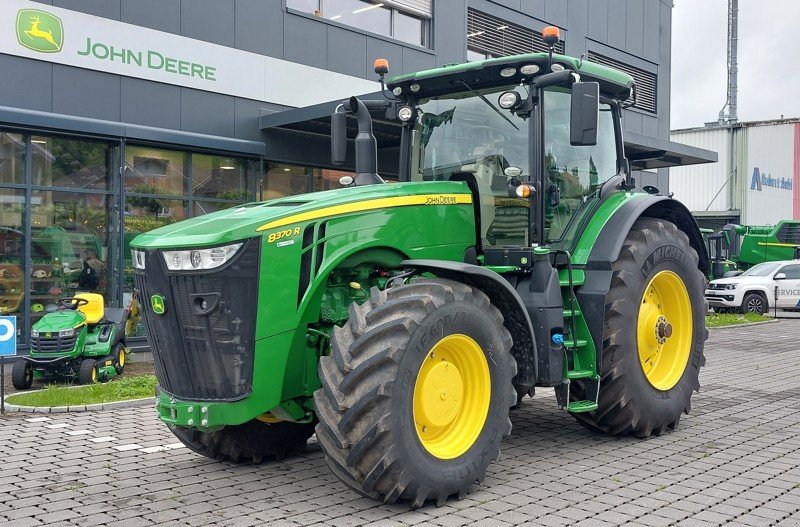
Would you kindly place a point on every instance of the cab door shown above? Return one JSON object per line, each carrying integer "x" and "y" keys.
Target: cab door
{"x": 788, "y": 287}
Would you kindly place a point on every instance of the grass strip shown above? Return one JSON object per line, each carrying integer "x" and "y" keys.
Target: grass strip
{"x": 120, "y": 389}
{"x": 718, "y": 320}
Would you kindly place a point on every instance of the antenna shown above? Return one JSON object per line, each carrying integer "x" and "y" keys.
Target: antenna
{"x": 733, "y": 87}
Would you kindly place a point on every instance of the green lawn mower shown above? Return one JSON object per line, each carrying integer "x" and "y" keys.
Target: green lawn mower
{"x": 80, "y": 339}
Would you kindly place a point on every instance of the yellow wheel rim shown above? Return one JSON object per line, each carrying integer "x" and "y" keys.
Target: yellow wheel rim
{"x": 664, "y": 330}
{"x": 451, "y": 396}
{"x": 94, "y": 375}
{"x": 122, "y": 357}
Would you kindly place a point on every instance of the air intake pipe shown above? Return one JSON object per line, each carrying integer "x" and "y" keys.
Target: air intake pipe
{"x": 366, "y": 145}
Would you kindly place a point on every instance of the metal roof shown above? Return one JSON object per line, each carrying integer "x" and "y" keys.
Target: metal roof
{"x": 644, "y": 152}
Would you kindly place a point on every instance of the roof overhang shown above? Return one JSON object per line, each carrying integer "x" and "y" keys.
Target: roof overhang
{"x": 643, "y": 151}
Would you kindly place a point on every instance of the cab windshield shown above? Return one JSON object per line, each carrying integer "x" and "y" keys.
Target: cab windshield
{"x": 466, "y": 137}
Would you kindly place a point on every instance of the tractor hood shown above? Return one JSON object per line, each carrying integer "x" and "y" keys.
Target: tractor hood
{"x": 252, "y": 219}
{"x": 58, "y": 320}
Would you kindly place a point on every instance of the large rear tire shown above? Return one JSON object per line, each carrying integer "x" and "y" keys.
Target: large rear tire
{"x": 251, "y": 442}
{"x": 416, "y": 392}
{"x": 650, "y": 370}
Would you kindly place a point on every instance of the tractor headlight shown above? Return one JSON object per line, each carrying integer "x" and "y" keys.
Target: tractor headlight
{"x": 200, "y": 259}
{"x": 138, "y": 259}
{"x": 508, "y": 100}
{"x": 729, "y": 287}
{"x": 67, "y": 332}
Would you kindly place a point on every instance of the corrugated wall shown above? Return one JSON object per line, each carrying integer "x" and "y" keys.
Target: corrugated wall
{"x": 695, "y": 186}
{"x": 767, "y": 172}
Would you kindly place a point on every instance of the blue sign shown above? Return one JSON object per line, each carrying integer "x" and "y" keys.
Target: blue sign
{"x": 8, "y": 336}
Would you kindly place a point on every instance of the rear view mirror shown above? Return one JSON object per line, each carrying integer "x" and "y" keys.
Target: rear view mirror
{"x": 584, "y": 109}
{"x": 779, "y": 276}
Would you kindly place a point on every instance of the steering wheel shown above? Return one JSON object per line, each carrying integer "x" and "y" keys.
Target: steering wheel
{"x": 72, "y": 302}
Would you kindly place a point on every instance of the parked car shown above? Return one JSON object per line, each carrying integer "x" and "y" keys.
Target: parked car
{"x": 756, "y": 290}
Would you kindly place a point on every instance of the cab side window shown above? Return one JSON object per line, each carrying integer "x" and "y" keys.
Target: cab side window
{"x": 792, "y": 272}
{"x": 573, "y": 173}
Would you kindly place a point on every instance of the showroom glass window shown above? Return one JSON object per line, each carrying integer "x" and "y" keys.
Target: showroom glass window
{"x": 383, "y": 18}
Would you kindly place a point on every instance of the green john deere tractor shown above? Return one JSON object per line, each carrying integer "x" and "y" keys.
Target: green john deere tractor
{"x": 401, "y": 322}
{"x": 80, "y": 339}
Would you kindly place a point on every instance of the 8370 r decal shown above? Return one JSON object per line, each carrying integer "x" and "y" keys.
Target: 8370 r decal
{"x": 285, "y": 233}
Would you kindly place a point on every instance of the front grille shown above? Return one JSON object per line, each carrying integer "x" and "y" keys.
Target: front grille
{"x": 717, "y": 287}
{"x": 54, "y": 344}
{"x": 203, "y": 356}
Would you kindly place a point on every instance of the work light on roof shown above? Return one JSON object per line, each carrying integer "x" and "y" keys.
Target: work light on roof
{"x": 529, "y": 69}
{"x": 397, "y": 91}
{"x": 557, "y": 67}
{"x": 414, "y": 87}
{"x": 508, "y": 72}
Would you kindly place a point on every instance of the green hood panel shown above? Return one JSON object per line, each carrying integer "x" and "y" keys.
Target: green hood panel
{"x": 249, "y": 220}
{"x": 53, "y": 322}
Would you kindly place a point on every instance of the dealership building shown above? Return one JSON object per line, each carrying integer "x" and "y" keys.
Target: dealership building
{"x": 119, "y": 116}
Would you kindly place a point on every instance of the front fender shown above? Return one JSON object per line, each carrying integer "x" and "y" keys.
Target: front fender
{"x": 505, "y": 298}
{"x": 606, "y": 248}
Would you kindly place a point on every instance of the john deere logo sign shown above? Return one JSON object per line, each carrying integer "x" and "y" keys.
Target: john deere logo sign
{"x": 157, "y": 303}
{"x": 39, "y": 31}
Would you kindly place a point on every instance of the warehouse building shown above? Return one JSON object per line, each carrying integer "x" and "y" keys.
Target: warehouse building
{"x": 756, "y": 180}
{"x": 118, "y": 116}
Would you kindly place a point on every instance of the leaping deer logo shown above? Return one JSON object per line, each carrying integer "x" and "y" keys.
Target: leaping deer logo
{"x": 35, "y": 32}
{"x": 39, "y": 30}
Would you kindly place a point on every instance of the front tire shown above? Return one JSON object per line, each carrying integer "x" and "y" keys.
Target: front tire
{"x": 87, "y": 372}
{"x": 251, "y": 442}
{"x": 22, "y": 375}
{"x": 654, "y": 334}
{"x": 754, "y": 303}
{"x": 416, "y": 392}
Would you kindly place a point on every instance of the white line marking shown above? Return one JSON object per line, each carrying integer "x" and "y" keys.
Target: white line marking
{"x": 38, "y": 419}
{"x": 104, "y": 439}
{"x": 174, "y": 446}
{"x": 152, "y": 449}
{"x": 79, "y": 432}
{"x": 123, "y": 448}
{"x": 58, "y": 425}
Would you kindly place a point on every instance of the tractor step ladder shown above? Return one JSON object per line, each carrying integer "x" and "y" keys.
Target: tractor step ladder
{"x": 575, "y": 348}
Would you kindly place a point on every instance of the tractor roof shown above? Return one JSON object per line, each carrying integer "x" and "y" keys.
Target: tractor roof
{"x": 486, "y": 74}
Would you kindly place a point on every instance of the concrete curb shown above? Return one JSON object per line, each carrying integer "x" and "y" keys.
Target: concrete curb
{"x": 116, "y": 405}
{"x": 733, "y": 326}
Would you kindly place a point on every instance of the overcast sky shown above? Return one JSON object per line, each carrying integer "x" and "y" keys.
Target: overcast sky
{"x": 769, "y": 60}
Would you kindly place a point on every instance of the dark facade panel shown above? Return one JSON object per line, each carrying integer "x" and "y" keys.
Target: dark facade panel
{"x": 555, "y": 12}
{"x": 151, "y": 103}
{"x": 617, "y": 23}
{"x": 651, "y": 32}
{"x": 36, "y": 76}
{"x": 347, "y": 52}
{"x": 598, "y": 14}
{"x": 634, "y": 30}
{"x": 161, "y": 15}
{"x": 251, "y": 34}
{"x": 246, "y": 114}
{"x": 209, "y": 20}
{"x": 450, "y": 31}
{"x": 305, "y": 40}
{"x": 103, "y": 8}
{"x": 416, "y": 60}
{"x": 207, "y": 113}
{"x": 86, "y": 93}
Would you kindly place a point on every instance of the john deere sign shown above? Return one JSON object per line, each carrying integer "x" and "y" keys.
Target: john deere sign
{"x": 67, "y": 37}
{"x": 39, "y": 31}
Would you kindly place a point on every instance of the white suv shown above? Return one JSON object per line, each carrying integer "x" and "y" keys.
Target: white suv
{"x": 755, "y": 290}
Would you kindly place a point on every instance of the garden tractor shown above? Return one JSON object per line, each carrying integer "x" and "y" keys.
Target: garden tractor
{"x": 78, "y": 338}
{"x": 402, "y": 322}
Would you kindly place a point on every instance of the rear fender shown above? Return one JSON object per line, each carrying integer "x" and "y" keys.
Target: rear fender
{"x": 504, "y": 297}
